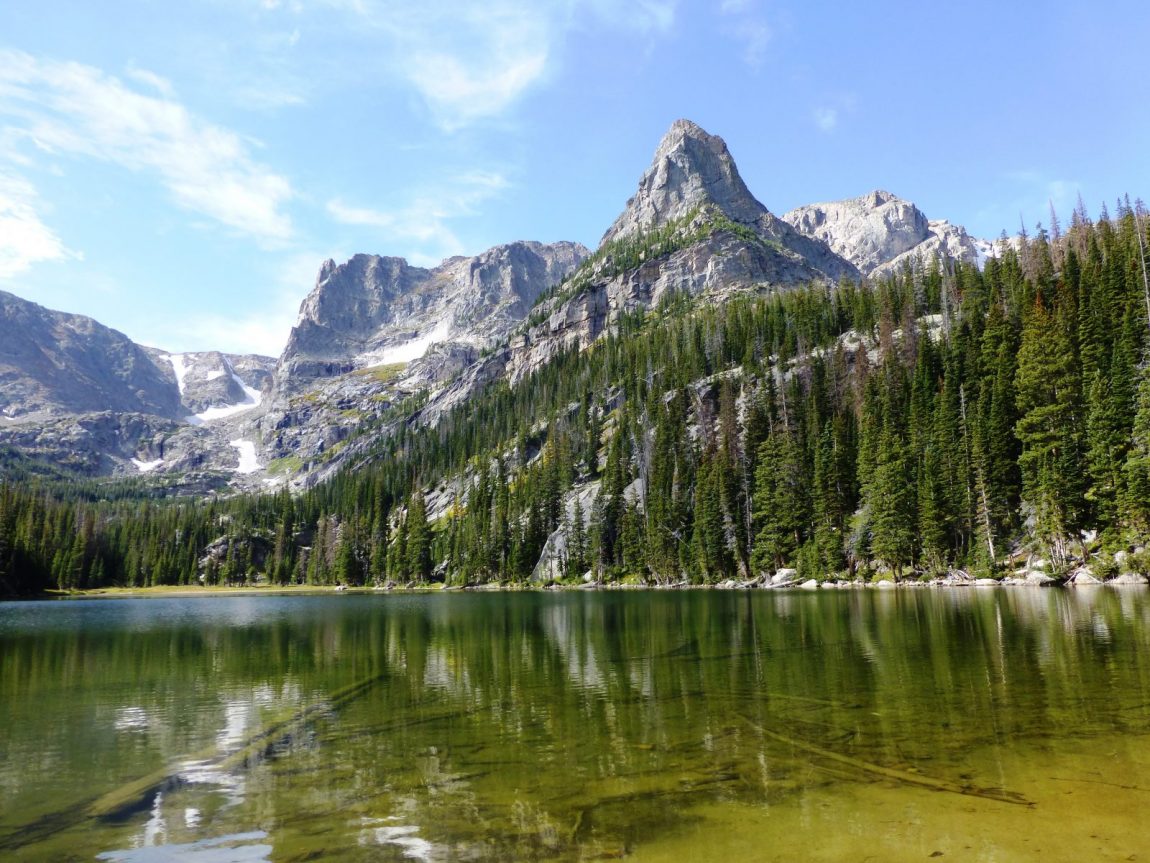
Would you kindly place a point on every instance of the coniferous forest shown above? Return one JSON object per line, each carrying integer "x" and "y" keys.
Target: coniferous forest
{"x": 946, "y": 418}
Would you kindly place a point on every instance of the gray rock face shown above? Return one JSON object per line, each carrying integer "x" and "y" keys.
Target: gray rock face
{"x": 79, "y": 395}
{"x": 692, "y": 169}
{"x": 210, "y": 379}
{"x": 721, "y": 265}
{"x": 375, "y": 331}
{"x": 109, "y": 442}
{"x": 53, "y": 363}
{"x": 692, "y": 179}
{"x": 374, "y": 311}
{"x": 879, "y": 232}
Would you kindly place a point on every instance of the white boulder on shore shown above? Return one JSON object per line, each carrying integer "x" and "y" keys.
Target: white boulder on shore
{"x": 1083, "y": 576}
{"x": 1129, "y": 578}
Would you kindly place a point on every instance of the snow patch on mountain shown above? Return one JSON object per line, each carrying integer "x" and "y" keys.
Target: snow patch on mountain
{"x": 252, "y": 398}
{"x": 147, "y": 466}
{"x": 179, "y": 367}
{"x": 984, "y": 251}
{"x": 247, "y": 455}
{"x": 407, "y": 351}
{"x": 215, "y": 376}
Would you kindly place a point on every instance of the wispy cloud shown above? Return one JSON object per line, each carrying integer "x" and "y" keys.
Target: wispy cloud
{"x": 826, "y": 118}
{"x": 261, "y": 332}
{"x": 648, "y": 17}
{"x": 747, "y": 25}
{"x": 469, "y": 61}
{"x": 422, "y": 225}
{"x": 833, "y": 109}
{"x": 77, "y": 110}
{"x": 150, "y": 79}
{"x": 24, "y": 239}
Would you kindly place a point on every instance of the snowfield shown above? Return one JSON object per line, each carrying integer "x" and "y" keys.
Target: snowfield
{"x": 407, "y": 351}
{"x": 247, "y": 452}
{"x": 252, "y": 398}
{"x": 179, "y": 367}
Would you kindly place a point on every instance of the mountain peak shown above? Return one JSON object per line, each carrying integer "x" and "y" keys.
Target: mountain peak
{"x": 691, "y": 168}
{"x": 879, "y": 197}
{"x": 683, "y": 129}
{"x": 879, "y": 231}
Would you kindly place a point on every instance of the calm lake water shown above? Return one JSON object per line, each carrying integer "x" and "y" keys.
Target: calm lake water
{"x": 986, "y": 725}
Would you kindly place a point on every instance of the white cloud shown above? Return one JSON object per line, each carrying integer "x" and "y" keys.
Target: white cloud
{"x": 24, "y": 239}
{"x": 242, "y": 330}
{"x": 826, "y": 118}
{"x": 150, "y": 79}
{"x": 747, "y": 26}
{"x": 641, "y": 16}
{"x": 469, "y": 61}
{"x": 421, "y": 225}
{"x": 78, "y": 110}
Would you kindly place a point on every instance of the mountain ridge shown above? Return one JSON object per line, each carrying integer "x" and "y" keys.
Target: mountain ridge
{"x": 375, "y": 331}
{"x": 879, "y": 232}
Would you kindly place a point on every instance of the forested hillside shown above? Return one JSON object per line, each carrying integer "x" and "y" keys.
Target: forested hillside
{"x": 942, "y": 418}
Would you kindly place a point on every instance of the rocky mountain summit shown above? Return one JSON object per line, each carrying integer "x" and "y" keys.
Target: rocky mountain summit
{"x": 880, "y": 232}
{"x": 693, "y": 169}
{"x": 692, "y": 227}
{"x": 53, "y": 362}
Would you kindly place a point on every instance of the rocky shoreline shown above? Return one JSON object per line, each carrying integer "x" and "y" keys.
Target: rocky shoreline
{"x": 782, "y": 580}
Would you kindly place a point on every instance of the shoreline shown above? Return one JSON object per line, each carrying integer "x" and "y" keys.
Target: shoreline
{"x": 186, "y": 591}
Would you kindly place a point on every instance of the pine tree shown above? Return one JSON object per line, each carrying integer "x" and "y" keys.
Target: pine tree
{"x": 1136, "y": 498}
{"x": 1049, "y": 428}
{"x": 419, "y": 563}
{"x": 577, "y": 540}
{"x": 709, "y": 539}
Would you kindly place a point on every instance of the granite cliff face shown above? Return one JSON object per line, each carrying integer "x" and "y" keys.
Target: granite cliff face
{"x": 375, "y": 311}
{"x": 211, "y": 383}
{"x": 879, "y": 232}
{"x": 84, "y": 397}
{"x": 693, "y": 169}
{"x": 53, "y": 362}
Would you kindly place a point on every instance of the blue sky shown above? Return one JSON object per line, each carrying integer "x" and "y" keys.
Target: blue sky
{"x": 180, "y": 170}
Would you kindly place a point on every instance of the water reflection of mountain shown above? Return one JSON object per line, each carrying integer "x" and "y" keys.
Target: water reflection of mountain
{"x": 532, "y": 724}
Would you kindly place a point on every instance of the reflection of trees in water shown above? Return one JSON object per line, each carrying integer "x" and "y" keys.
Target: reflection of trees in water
{"x": 526, "y": 724}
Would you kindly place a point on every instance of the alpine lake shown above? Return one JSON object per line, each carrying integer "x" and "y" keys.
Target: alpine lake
{"x": 835, "y": 725}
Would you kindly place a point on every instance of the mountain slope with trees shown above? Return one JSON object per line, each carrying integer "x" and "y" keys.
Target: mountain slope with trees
{"x": 943, "y": 418}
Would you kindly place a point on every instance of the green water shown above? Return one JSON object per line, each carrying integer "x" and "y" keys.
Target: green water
{"x": 988, "y": 725}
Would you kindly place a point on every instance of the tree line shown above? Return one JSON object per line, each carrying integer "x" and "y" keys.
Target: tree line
{"x": 944, "y": 417}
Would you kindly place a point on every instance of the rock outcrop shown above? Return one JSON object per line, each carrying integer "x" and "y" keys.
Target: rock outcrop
{"x": 54, "y": 363}
{"x": 375, "y": 311}
{"x": 713, "y": 237}
{"x": 879, "y": 232}
{"x": 692, "y": 169}
{"x": 377, "y": 334}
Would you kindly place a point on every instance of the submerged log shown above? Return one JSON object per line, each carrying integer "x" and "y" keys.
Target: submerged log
{"x": 905, "y": 777}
